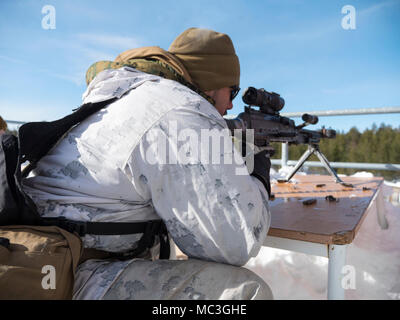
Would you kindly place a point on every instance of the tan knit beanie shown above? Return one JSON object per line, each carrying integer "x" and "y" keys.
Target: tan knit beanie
{"x": 209, "y": 57}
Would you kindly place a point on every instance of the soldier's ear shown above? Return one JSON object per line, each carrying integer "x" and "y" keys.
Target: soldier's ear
{"x": 211, "y": 93}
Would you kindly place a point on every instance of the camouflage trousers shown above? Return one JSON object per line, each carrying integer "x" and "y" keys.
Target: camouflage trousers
{"x": 192, "y": 279}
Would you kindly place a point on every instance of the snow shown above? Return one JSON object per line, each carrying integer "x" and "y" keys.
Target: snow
{"x": 393, "y": 184}
{"x": 373, "y": 258}
{"x": 363, "y": 174}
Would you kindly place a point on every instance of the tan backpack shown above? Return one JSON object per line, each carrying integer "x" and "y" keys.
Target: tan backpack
{"x": 38, "y": 262}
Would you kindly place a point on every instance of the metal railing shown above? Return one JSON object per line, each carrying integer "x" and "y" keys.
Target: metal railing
{"x": 284, "y": 161}
{"x": 345, "y": 112}
{"x": 14, "y": 122}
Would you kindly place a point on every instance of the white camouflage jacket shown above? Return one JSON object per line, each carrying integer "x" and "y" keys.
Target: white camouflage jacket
{"x": 142, "y": 158}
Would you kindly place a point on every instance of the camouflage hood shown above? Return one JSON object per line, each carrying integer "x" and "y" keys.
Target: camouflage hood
{"x": 154, "y": 64}
{"x": 143, "y": 59}
{"x": 114, "y": 83}
{"x": 156, "y": 54}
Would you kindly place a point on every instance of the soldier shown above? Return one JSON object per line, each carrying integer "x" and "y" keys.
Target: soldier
{"x": 142, "y": 158}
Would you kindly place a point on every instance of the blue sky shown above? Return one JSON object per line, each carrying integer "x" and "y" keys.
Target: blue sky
{"x": 296, "y": 48}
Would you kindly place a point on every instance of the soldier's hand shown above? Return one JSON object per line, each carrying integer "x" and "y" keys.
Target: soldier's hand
{"x": 262, "y": 166}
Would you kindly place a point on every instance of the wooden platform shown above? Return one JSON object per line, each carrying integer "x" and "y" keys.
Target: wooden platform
{"x": 327, "y": 222}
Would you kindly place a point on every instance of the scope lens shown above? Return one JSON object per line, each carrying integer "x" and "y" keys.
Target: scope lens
{"x": 250, "y": 96}
{"x": 309, "y": 118}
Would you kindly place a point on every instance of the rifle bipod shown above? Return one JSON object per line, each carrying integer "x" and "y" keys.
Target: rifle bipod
{"x": 314, "y": 149}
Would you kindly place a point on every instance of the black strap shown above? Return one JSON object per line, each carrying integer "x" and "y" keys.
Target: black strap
{"x": 37, "y": 138}
{"x": 98, "y": 228}
{"x": 165, "y": 249}
{"x": 149, "y": 228}
{"x": 152, "y": 229}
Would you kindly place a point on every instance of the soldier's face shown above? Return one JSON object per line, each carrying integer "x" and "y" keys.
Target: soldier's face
{"x": 222, "y": 98}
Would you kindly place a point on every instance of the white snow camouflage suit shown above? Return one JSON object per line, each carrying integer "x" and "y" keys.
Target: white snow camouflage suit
{"x": 112, "y": 168}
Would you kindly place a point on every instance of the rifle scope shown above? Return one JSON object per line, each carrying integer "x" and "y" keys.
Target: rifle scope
{"x": 269, "y": 102}
{"x": 309, "y": 118}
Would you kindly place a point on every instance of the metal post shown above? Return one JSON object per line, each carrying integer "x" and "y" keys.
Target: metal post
{"x": 337, "y": 260}
{"x": 285, "y": 154}
{"x": 380, "y": 210}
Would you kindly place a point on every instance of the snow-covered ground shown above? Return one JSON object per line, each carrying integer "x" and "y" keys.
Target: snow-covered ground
{"x": 374, "y": 255}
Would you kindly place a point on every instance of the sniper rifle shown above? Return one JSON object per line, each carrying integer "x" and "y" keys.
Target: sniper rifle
{"x": 269, "y": 126}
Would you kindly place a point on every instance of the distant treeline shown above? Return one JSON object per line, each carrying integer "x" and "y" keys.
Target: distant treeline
{"x": 14, "y": 132}
{"x": 375, "y": 145}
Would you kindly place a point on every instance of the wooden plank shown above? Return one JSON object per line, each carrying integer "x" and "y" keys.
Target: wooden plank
{"x": 324, "y": 221}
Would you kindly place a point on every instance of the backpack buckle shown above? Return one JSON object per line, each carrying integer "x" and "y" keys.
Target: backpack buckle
{"x": 73, "y": 226}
